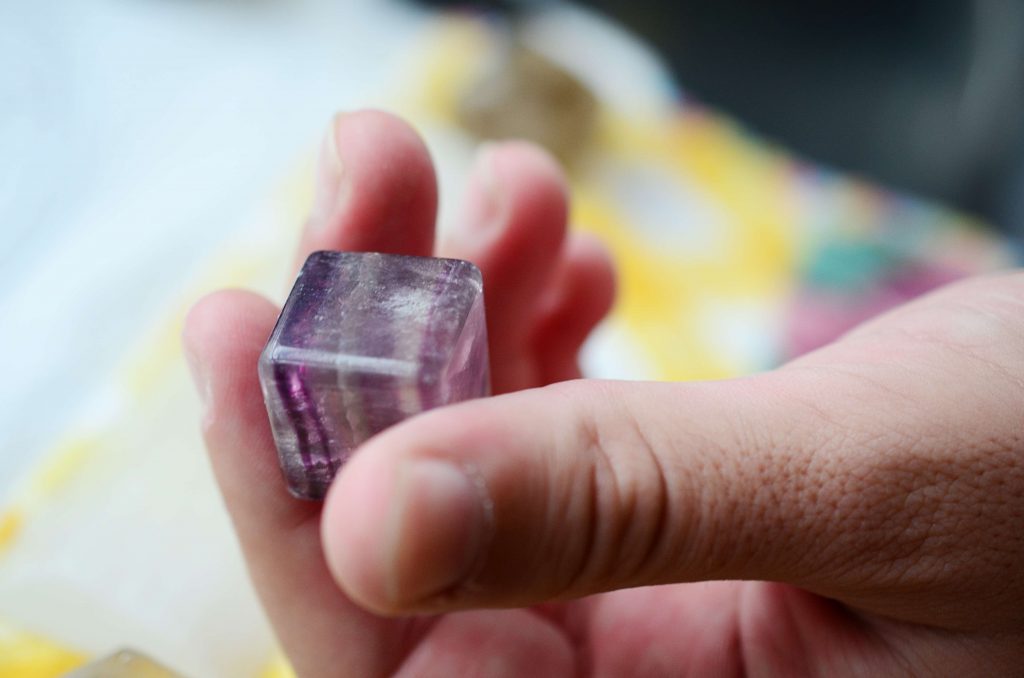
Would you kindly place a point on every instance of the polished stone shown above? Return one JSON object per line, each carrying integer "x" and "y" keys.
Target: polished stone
{"x": 364, "y": 341}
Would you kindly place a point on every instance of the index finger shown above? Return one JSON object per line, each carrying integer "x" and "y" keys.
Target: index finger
{"x": 375, "y": 189}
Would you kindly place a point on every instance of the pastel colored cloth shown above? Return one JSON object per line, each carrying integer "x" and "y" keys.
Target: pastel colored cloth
{"x": 732, "y": 255}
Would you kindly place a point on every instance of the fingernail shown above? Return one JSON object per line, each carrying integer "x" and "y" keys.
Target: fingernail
{"x": 440, "y": 521}
{"x": 483, "y": 212}
{"x": 330, "y": 178}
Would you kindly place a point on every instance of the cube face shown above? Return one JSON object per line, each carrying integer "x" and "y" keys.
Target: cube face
{"x": 364, "y": 341}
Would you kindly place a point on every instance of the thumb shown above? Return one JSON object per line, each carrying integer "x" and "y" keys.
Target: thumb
{"x": 576, "y": 488}
{"x": 885, "y": 471}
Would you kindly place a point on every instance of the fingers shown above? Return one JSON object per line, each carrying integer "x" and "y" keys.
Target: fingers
{"x": 565, "y": 491}
{"x": 580, "y": 295}
{"x": 491, "y": 643}
{"x": 375, "y": 189}
{"x": 512, "y": 227}
{"x": 317, "y": 626}
{"x": 224, "y": 334}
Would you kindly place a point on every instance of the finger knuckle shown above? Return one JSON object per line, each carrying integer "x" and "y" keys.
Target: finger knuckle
{"x": 627, "y": 496}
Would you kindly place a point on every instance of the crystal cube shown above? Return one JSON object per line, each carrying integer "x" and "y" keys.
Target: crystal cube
{"x": 364, "y": 341}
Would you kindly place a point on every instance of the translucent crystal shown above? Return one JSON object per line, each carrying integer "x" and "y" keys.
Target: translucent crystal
{"x": 364, "y": 341}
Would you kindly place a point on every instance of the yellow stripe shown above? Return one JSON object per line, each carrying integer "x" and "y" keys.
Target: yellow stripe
{"x": 10, "y": 527}
{"x": 23, "y": 655}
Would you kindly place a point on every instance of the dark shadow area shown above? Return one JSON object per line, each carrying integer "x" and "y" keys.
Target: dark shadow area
{"x": 923, "y": 95}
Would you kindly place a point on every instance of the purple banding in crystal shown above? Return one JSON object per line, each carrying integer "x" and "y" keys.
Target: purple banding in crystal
{"x": 300, "y": 408}
{"x": 364, "y": 341}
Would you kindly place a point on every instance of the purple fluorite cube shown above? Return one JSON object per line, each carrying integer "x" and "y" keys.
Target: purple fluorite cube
{"x": 364, "y": 341}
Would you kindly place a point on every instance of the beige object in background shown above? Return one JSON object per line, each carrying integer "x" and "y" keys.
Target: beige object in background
{"x": 123, "y": 664}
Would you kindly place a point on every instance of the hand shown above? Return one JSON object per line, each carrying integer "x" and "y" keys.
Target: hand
{"x": 880, "y": 480}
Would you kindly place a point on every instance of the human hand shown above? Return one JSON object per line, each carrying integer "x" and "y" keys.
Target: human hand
{"x": 880, "y": 480}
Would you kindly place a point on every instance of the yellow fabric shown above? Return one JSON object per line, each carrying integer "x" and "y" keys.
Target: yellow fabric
{"x": 23, "y": 655}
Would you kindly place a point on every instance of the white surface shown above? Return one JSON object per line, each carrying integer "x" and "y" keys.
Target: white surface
{"x": 136, "y": 551}
{"x": 134, "y": 136}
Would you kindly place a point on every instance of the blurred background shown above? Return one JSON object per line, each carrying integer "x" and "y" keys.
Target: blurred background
{"x": 923, "y": 95}
{"x": 767, "y": 174}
